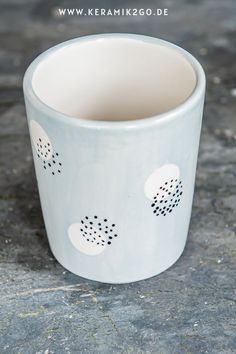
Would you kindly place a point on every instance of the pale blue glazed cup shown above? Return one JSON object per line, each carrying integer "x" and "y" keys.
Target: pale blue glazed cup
{"x": 115, "y": 123}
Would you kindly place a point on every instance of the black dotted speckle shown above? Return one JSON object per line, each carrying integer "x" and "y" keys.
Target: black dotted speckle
{"x": 167, "y": 198}
{"x": 94, "y": 235}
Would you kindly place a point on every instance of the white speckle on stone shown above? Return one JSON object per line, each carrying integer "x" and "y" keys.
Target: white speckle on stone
{"x": 28, "y": 158}
{"x": 70, "y": 316}
{"x": 206, "y": 303}
{"x": 233, "y": 92}
{"x": 195, "y": 324}
{"x": 220, "y": 260}
{"x": 141, "y": 296}
{"x": 85, "y": 295}
{"x": 228, "y": 134}
{"x": 203, "y": 51}
{"x": 216, "y": 80}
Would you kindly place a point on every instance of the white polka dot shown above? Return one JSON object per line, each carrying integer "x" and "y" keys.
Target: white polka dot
{"x": 41, "y": 141}
{"x": 156, "y": 182}
{"x": 89, "y": 244}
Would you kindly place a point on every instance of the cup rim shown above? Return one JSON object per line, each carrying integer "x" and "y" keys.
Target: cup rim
{"x": 158, "y": 119}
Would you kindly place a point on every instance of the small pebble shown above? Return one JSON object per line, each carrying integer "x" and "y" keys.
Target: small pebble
{"x": 233, "y": 92}
{"x": 203, "y": 51}
{"x": 216, "y": 80}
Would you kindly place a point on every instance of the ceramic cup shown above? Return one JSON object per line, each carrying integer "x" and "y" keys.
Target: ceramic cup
{"x": 115, "y": 122}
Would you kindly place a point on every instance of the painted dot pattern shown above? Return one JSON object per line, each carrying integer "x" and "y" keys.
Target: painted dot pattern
{"x": 44, "y": 148}
{"x": 41, "y": 141}
{"x": 49, "y": 158}
{"x": 167, "y": 199}
{"x": 158, "y": 178}
{"x": 89, "y": 228}
{"x": 92, "y": 234}
{"x": 53, "y": 165}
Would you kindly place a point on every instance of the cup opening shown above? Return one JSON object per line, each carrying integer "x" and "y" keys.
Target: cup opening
{"x": 114, "y": 79}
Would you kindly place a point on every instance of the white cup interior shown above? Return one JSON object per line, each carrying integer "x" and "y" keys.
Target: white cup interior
{"x": 114, "y": 79}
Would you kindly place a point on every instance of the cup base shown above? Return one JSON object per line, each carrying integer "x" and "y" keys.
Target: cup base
{"x": 122, "y": 280}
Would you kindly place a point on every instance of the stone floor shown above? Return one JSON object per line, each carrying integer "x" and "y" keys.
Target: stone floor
{"x": 190, "y": 308}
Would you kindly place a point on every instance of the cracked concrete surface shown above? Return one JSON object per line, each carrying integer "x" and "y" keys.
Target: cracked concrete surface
{"x": 190, "y": 308}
